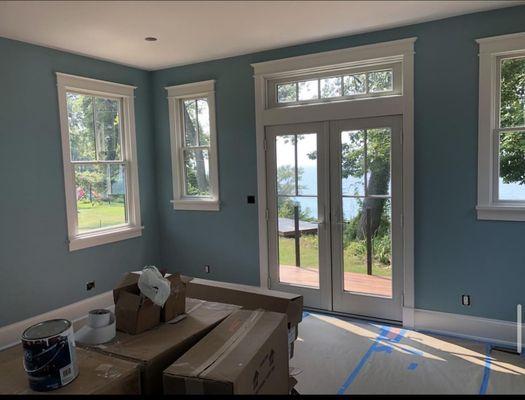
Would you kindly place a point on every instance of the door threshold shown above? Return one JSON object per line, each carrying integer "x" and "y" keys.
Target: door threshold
{"x": 354, "y": 316}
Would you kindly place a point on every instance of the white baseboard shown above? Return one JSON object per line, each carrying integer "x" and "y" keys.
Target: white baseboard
{"x": 10, "y": 334}
{"x": 492, "y": 331}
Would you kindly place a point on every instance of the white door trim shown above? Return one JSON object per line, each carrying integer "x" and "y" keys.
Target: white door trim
{"x": 394, "y": 105}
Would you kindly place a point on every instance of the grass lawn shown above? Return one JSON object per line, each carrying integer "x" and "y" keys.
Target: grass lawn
{"x": 100, "y": 215}
{"x": 309, "y": 257}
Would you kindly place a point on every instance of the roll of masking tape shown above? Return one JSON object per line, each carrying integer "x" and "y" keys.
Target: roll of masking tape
{"x": 99, "y": 318}
{"x": 100, "y": 328}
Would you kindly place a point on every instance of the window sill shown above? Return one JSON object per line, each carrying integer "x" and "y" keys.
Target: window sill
{"x": 501, "y": 213}
{"x": 92, "y": 239}
{"x": 196, "y": 205}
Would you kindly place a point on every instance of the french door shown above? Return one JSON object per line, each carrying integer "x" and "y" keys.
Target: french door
{"x": 334, "y": 214}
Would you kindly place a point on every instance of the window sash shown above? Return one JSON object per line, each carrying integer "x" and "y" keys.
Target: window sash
{"x": 496, "y": 135}
{"x": 272, "y": 85}
{"x": 183, "y": 150}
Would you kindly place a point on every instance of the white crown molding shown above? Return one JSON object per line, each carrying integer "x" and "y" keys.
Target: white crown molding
{"x": 341, "y": 57}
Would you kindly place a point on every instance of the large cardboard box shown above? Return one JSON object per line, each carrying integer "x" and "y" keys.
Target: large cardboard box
{"x": 134, "y": 313}
{"x": 249, "y": 297}
{"x": 246, "y": 354}
{"x": 155, "y": 349}
{"x": 98, "y": 374}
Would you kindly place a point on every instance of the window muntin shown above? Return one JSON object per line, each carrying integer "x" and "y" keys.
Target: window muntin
{"x": 345, "y": 85}
{"x": 510, "y": 130}
{"x": 193, "y": 143}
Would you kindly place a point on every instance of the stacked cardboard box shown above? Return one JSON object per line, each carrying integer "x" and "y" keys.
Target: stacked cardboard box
{"x": 157, "y": 348}
{"x": 245, "y": 354}
{"x": 99, "y": 374}
{"x": 251, "y": 297}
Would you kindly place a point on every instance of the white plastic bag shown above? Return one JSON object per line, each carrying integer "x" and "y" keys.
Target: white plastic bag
{"x": 154, "y": 286}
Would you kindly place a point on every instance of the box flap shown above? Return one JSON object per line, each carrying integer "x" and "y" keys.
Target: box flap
{"x": 250, "y": 297}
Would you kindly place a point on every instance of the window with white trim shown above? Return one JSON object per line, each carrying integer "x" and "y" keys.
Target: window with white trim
{"x": 336, "y": 85}
{"x": 100, "y": 161}
{"x": 501, "y": 159}
{"x": 194, "y": 146}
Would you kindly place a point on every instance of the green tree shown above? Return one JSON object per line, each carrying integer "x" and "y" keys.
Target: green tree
{"x": 512, "y": 113}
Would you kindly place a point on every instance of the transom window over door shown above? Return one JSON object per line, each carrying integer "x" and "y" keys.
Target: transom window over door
{"x": 501, "y": 177}
{"x": 100, "y": 168}
{"x": 193, "y": 145}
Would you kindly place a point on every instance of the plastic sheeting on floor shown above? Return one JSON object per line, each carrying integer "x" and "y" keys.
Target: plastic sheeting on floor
{"x": 343, "y": 356}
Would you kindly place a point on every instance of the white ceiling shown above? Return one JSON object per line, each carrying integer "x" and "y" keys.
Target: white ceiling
{"x": 193, "y": 31}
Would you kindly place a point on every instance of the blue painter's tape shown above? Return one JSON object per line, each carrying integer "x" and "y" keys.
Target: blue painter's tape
{"x": 486, "y": 371}
{"x": 305, "y": 314}
{"x": 377, "y": 346}
{"x": 412, "y": 366}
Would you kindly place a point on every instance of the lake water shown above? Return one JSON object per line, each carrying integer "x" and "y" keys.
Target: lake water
{"x": 512, "y": 191}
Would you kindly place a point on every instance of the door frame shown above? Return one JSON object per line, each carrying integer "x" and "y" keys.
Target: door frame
{"x": 403, "y": 105}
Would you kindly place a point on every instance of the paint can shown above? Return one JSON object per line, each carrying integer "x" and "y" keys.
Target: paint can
{"x": 50, "y": 354}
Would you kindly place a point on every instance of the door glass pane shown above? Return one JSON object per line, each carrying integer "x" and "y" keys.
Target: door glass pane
{"x": 307, "y": 164}
{"x": 298, "y": 245}
{"x": 308, "y": 90}
{"x": 101, "y": 196}
{"x": 512, "y": 163}
{"x": 285, "y": 155}
{"x": 197, "y": 172}
{"x": 353, "y": 162}
{"x": 366, "y": 220}
{"x": 378, "y": 161}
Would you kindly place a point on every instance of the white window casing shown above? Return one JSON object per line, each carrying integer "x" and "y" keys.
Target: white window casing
{"x": 491, "y": 51}
{"x": 125, "y": 95}
{"x": 176, "y": 96}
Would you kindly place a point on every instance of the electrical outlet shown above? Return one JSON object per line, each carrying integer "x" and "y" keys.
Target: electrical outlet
{"x": 90, "y": 285}
{"x": 465, "y": 300}
{"x": 250, "y": 199}
{"x": 207, "y": 269}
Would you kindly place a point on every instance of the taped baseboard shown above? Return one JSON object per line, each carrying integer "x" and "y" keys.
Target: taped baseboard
{"x": 10, "y": 334}
{"x": 476, "y": 328}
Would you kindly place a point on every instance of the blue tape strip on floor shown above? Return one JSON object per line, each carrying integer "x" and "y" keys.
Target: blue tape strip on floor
{"x": 377, "y": 346}
{"x": 486, "y": 371}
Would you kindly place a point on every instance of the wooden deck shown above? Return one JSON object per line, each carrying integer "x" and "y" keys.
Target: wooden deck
{"x": 354, "y": 282}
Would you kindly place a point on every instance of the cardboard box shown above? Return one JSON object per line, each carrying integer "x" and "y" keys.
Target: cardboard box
{"x": 176, "y": 303}
{"x": 246, "y": 354}
{"x": 249, "y": 297}
{"x": 156, "y": 349}
{"x": 134, "y": 313}
{"x": 98, "y": 374}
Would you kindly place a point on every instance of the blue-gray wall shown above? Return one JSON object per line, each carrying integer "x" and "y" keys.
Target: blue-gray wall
{"x": 37, "y": 271}
{"x": 454, "y": 252}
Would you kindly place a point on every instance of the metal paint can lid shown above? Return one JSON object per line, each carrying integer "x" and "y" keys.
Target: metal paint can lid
{"x": 46, "y": 329}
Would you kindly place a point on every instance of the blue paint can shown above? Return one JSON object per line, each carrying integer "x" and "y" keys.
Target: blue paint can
{"x": 50, "y": 354}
